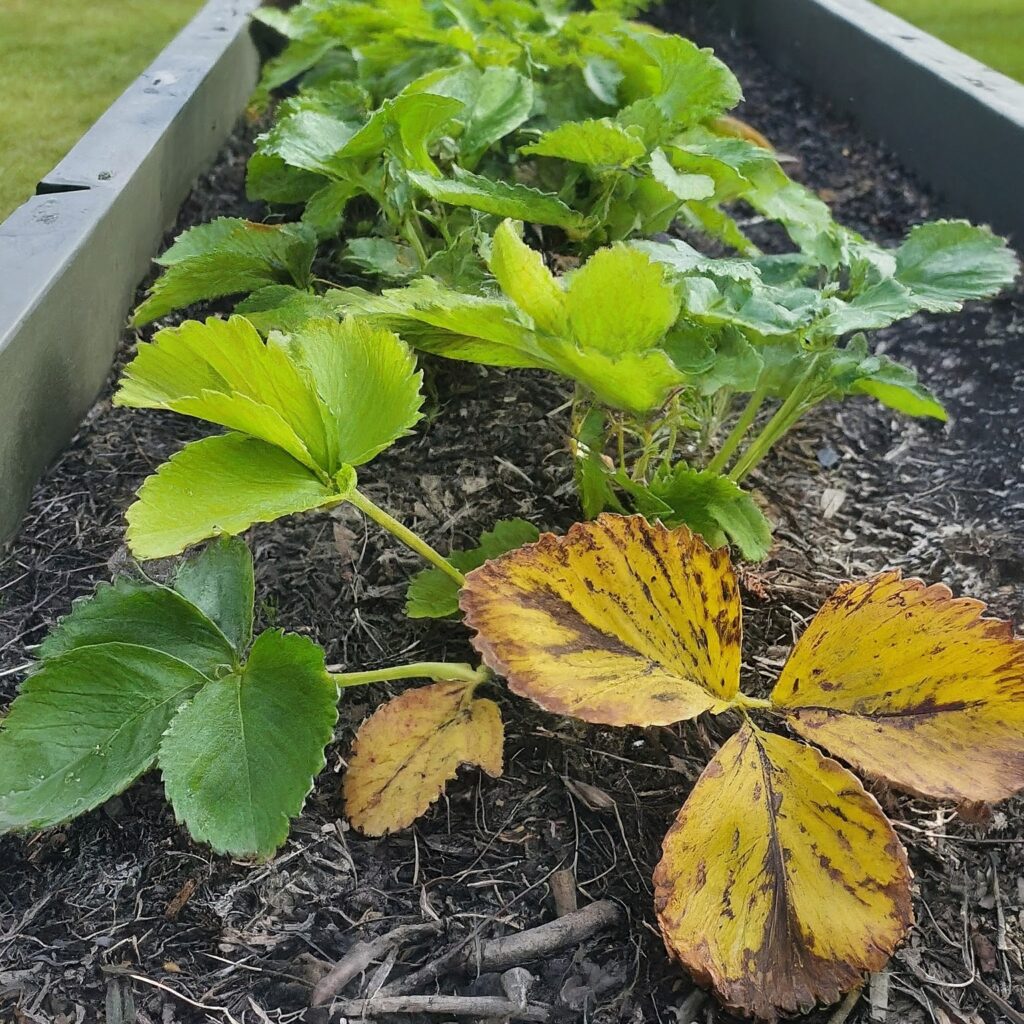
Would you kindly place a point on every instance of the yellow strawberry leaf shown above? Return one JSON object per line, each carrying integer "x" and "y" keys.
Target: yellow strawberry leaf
{"x": 908, "y": 683}
{"x": 781, "y": 881}
{"x": 621, "y": 622}
{"x": 408, "y": 749}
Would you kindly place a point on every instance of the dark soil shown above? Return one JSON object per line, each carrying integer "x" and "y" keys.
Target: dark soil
{"x": 122, "y": 902}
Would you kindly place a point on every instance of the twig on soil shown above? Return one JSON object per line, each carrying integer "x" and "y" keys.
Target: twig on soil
{"x": 1014, "y": 1015}
{"x": 481, "y": 1008}
{"x": 361, "y": 955}
{"x": 846, "y": 1006}
{"x": 563, "y": 892}
{"x": 535, "y": 943}
{"x": 514, "y": 950}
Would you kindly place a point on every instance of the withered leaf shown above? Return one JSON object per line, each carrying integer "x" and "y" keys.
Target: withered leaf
{"x": 781, "y": 880}
{"x": 620, "y": 621}
{"x": 910, "y": 684}
{"x": 407, "y": 751}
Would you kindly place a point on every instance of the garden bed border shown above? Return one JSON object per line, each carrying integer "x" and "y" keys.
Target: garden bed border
{"x": 72, "y": 256}
{"x": 956, "y": 123}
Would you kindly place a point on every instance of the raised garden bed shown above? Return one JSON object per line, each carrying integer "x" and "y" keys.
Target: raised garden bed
{"x": 122, "y": 901}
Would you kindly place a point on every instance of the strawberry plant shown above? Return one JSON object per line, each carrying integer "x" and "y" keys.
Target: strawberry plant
{"x": 666, "y": 347}
{"x": 781, "y": 881}
{"x": 416, "y": 125}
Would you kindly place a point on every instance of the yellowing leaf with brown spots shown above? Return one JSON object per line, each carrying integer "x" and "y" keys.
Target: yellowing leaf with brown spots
{"x": 621, "y": 622}
{"x": 408, "y": 749}
{"x": 781, "y": 881}
{"x": 908, "y": 683}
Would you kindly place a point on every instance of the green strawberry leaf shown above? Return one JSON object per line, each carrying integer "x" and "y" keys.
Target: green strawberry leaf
{"x": 501, "y": 198}
{"x": 221, "y": 484}
{"x": 219, "y": 581}
{"x": 86, "y": 724}
{"x": 947, "y": 262}
{"x": 226, "y": 257}
{"x": 240, "y": 760}
{"x": 600, "y": 143}
{"x": 433, "y": 594}
{"x": 713, "y": 506}
{"x": 131, "y": 612}
{"x": 612, "y": 319}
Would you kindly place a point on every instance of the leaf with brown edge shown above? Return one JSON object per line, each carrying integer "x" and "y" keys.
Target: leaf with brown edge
{"x": 781, "y": 881}
{"x": 908, "y": 683}
{"x": 408, "y": 749}
{"x": 620, "y": 622}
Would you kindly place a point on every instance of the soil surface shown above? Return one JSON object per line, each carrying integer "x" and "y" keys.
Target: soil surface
{"x": 121, "y": 910}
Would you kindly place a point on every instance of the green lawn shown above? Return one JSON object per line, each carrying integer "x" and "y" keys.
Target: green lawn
{"x": 990, "y": 30}
{"x": 62, "y": 63}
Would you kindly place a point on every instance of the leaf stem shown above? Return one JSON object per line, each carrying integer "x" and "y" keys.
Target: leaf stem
{"x": 405, "y": 535}
{"x": 739, "y": 431}
{"x": 440, "y": 670}
{"x": 785, "y": 416}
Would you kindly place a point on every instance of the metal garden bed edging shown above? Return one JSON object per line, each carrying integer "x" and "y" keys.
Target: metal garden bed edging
{"x": 958, "y": 124}
{"x": 72, "y": 256}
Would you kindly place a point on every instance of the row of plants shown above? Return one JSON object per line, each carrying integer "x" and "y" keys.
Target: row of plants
{"x": 420, "y": 148}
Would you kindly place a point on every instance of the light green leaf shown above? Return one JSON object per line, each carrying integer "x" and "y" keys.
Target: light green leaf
{"x": 85, "y": 726}
{"x": 947, "y": 262}
{"x": 619, "y": 301}
{"x": 524, "y": 278}
{"x": 221, "y": 484}
{"x": 855, "y": 371}
{"x": 325, "y": 209}
{"x": 280, "y": 307}
{"x": 683, "y": 186}
{"x": 449, "y": 323}
{"x": 225, "y": 257}
{"x": 637, "y": 382}
{"x": 602, "y": 144}
{"x": 220, "y": 582}
{"x": 367, "y": 381}
{"x": 382, "y": 258}
{"x": 310, "y": 140}
{"x": 222, "y": 371}
{"x": 503, "y": 199}
{"x": 433, "y": 594}
{"x": 689, "y": 85}
{"x": 239, "y": 761}
{"x": 714, "y": 507}
{"x": 502, "y": 101}
{"x": 146, "y": 615}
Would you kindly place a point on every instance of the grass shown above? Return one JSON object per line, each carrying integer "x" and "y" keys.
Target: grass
{"x": 62, "y": 63}
{"x": 990, "y": 30}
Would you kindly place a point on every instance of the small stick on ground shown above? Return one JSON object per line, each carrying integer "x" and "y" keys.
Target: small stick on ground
{"x": 514, "y": 950}
{"x": 846, "y": 1006}
{"x": 535, "y": 943}
{"x": 481, "y": 1008}
{"x": 563, "y": 891}
{"x": 361, "y": 955}
{"x": 1014, "y": 1015}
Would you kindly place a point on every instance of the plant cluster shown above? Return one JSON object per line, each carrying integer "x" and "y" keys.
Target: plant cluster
{"x": 421, "y": 134}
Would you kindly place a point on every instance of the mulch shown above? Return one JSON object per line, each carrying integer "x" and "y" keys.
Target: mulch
{"x": 119, "y": 910}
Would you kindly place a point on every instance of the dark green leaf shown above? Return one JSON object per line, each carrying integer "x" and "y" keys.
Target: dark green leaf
{"x": 146, "y": 615}
{"x": 239, "y": 761}
{"x": 85, "y": 726}
{"x": 714, "y": 507}
{"x": 220, "y": 582}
